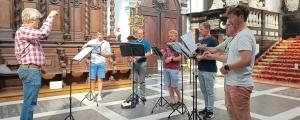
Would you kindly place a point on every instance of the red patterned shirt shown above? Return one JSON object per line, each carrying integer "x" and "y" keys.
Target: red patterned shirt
{"x": 28, "y": 49}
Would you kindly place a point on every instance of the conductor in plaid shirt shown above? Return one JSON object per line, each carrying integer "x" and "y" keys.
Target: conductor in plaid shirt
{"x": 30, "y": 56}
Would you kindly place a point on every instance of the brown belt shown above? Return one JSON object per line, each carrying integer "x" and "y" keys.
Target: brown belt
{"x": 30, "y": 66}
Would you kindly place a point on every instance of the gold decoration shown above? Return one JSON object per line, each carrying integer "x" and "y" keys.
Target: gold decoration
{"x": 136, "y": 21}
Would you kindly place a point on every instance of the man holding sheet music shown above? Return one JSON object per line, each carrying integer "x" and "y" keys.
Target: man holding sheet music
{"x": 101, "y": 51}
{"x": 207, "y": 71}
{"x": 140, "y": 63}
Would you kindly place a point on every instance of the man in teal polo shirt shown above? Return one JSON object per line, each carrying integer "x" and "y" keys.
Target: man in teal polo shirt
{"x": 140, "y": 64}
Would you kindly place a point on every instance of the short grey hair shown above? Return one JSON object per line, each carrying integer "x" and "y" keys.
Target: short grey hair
{"x": 30, "y": 14}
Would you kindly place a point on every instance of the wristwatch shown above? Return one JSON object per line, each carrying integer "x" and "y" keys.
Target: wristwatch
{"x": 226, "y": 67}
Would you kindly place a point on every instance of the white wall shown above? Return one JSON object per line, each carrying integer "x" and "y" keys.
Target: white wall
{"x": 273, "y": 5}
{"x": 197, "y": 5}
{"x": 122, "y": 14}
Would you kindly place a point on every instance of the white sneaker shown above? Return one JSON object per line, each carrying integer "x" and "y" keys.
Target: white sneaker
{"x": 99, "y": 97}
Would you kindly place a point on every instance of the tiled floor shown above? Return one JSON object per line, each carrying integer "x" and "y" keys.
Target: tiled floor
{"x": 268, "y": 103}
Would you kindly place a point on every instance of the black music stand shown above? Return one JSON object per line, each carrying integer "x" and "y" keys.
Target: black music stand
{"x": 131, "y": 50}
{"x": 161, "y": 98}
{"x": 179, "y": 48}
{"x": 79, "y": 57}
{"x": 194, "y": 114}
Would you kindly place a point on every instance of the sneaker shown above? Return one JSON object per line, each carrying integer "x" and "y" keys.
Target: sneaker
{"x": 99, "y": 97}
{"x": 208, "y": 115}
{"x": 203, "y": 112}
{"x": 143, "y": 99}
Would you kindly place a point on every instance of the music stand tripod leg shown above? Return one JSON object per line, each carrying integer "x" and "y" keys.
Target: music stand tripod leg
{"x": 161, "y": 98}
{"x": 70, "y": 107}
{"x": 183, "y": 106}
{"x": 89, "y": 96}
{"x": 194, "y": 114}
{"x": 133, "y": 95}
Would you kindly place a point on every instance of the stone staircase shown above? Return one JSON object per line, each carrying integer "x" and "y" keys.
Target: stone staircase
{"x": 280, "y": 65}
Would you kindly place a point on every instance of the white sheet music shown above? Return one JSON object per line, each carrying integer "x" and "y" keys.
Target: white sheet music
{"x": 189, "y": 41}
{"x": 85, "y": 51}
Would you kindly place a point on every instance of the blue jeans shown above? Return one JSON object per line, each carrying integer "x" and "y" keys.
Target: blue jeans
{"x": 207, "y": 80}
{"x": 31, "y": 79}
{"x": 97, "y": 70}
{"x": 170, "y": 77}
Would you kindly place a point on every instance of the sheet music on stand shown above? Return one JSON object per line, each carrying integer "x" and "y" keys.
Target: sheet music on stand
{"x": 189, "y": 41}
{"x": 157, "y": 51}
{"x": 83, "y": 53}
{"x": 179, "y": 48}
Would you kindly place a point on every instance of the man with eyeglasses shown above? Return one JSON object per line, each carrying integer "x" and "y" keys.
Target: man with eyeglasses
{"x": 30, "y": 56}
{"x": 140, "y": 63}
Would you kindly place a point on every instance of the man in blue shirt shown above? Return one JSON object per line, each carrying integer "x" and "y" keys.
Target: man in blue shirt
{"x": 207, "y": 71}
{"x": 140, "y": 63}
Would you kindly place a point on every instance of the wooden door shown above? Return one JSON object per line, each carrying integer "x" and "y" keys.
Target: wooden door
{"x": 157, "y": 25}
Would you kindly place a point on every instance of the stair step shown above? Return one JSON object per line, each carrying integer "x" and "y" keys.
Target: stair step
{"x": 284, "y": 56}
{"x": 281, "y": 53}
{"x": 286, "y": 47}
{"x": 270, "y": 67}
{"x": 278, "y": 78}
{"x": 277, "y": 65}
{"x": 286, "y": 65}
{"x": 280, "y": 61}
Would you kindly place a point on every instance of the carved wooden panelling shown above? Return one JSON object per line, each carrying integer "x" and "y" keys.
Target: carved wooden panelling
{"x": 172, "y": 5}
{"x": 8, "y": 56}
{"x": 151, "y": 33}
{"x": 5, "y": 15}
{"x": 57, "y": 23}
{"x": 96, "y": 21}
{"x": 30, "y": 4}
{"x": 79, "y": 66}
{"x": 168, "y": 24}
{"x": 77, "y": 18}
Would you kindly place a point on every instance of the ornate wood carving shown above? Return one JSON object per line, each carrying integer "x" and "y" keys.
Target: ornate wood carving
{"x": 62, "y": 60}
{"x": 17, "y": 13}
{"x": 105, "y": 17}
{"x": 95, "y": 3}
{"x": 112, "y": 18}
{"x": 86, "y": 19}
{"x": 67, "y": 35}
{"x": 161, "y": 4}
{"x": 54, "y": 1}
{"x": 76, "y": 2}
{"x": 43, "y": 8}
